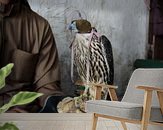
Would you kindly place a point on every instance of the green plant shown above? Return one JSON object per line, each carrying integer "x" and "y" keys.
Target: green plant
{"x": 19, "y": 99}
{"x": 8, "y": 126}
{"x": 4, "y": 72}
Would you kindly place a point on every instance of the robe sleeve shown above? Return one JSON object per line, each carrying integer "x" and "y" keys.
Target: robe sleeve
{"x": 47, "y": 75}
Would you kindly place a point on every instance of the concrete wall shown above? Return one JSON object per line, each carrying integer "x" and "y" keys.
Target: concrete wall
{"x": 124, "y": 22}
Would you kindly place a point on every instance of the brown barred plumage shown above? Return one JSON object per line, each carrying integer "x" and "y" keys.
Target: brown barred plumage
{"x": 89, "y": 54}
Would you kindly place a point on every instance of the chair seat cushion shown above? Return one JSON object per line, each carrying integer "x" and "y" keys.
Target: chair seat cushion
{"x": 125, "y": 110}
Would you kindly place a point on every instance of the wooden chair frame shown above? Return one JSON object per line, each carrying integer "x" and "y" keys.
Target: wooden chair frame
{"x": 146, "y": 106}
{"x": 146, "y": 109}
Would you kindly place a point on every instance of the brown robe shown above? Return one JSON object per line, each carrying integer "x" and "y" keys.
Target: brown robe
{"x": 26, "y": 40}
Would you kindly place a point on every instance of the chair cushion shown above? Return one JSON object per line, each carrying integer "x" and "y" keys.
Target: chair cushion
{"x": 121, "y": 109}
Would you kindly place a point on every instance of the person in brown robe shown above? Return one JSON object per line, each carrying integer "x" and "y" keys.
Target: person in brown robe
{"x": 26, "y": 39}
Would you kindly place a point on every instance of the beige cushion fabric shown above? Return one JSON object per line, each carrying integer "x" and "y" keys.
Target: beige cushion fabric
{"x": 121, "y": 109}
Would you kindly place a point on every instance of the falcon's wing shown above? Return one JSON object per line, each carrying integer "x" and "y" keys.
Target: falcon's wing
{"x": 109, "y": 56}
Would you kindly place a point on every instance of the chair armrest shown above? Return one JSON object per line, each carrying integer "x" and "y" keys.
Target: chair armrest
{"x": 98, "y": 88}
{"x": 149, "y": 88}
{"x": 96, "y": 84}
{"x": 148, "y": 100}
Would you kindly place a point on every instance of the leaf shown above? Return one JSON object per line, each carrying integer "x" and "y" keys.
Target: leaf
{"x": 4, "y": 108}
{"x": 8, "y": 126}
{"x": 4, "y": 72}
{"x": 21, "y": 98}
{"x": 24, "y": 97}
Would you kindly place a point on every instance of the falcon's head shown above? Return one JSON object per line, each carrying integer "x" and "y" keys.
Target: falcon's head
{"x": 80, "y": 26}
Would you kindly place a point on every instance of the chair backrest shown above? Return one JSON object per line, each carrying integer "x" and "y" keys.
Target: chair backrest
{"x": 147, "y": 77}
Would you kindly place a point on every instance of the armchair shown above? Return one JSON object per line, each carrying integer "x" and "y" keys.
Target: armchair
{"x": 138, "y": 107}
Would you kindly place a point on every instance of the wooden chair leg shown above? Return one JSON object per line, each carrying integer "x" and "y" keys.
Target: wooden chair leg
{"x": 97, "y": 92}
{"x": 94, "y": 122}
{"x": 160, "y": 98}
{"x": 146, "y": 109}
{"x": 124, "y": 125}
{"x": 112, "y": 94}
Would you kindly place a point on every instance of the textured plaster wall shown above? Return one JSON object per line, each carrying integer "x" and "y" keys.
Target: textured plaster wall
{"x": 124, "y": 22}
